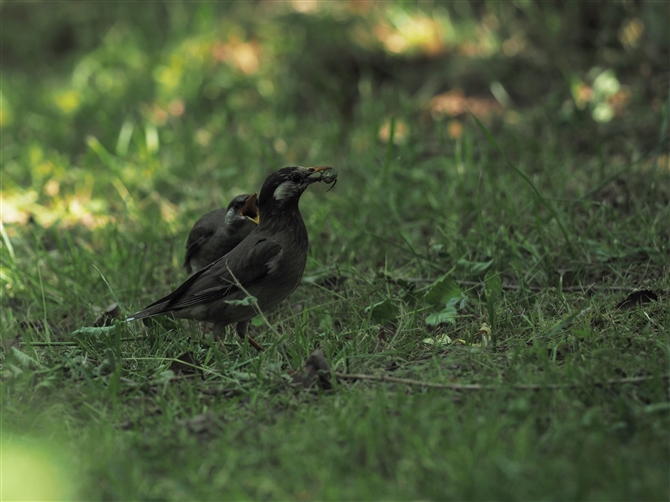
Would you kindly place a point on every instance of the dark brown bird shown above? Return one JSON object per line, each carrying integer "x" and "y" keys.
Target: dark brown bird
{"x": 218, "y": 232}
{"x": 267, "y": 265}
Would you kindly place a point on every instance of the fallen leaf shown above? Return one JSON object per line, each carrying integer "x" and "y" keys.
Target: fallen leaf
{"x": 485, "y": 333}
{"x": 447, "y": 315}
{"x": 24, "y": 359}
{"x": 440, "y": 340}
{"x": 93, "y": 332}
{"x": 107, "y": 316}
{"x": 441, "y": 291}
{"x": 382, "y": 311}
{"x": 317, "y": 370}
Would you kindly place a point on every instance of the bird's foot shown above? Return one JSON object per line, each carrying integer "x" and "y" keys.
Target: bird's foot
{"x": 241, "y": 330}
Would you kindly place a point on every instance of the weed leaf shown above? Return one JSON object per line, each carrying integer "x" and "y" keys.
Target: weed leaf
{"x": 383, "y": 311}
{"x": 442, "y": 291}
{"x": 24, "y": 359}
{"x": 94, "y": 332}
{"x": 447, "y": 315}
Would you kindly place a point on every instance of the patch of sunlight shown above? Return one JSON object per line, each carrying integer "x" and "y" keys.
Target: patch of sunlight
{"x": 6, "y": 114}
{"x": 514, "y": 45}
{"x": 86, "y": 211}
{"x": 455, "y": 129}
{"x": 76, "y": 209}
{"x": 280, "y": 146}
{"x": 16, "y": 207}
{"x": 484, "y": 45}
{"x": 400, "y": 132}
{"x": 52, "y": 188}
{"x": 156, "y": 114}
{"x": 202, "y": 137}
{"x": 152, "y": 137}
{"x": 68, "y": 101}
{"x": 602, "y": 112}
{"x": 305, "y": 6}
{"x": 240, "y": 54}
{"x": 169, "y": 211}
{"x": 605, "y": 97}
{"x": 455, "y": 103}
{"x": 606, "y": 84}
{"x": 631, "y": 33}
{"x": 33, "y": 473}
{"x": 137, "y": 175}
{"x": 245, "y": 57}
{"x": 663, "y": 162}
{"x": 581, "y": 93}
{"x": 403, "y": 32}
{"x": 167, "y": 77}
{"x": 338, "y": 10}
{"x": 176, "y": 107}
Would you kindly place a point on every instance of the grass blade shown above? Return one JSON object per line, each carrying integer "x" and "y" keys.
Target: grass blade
{"x": 521, "y": 174}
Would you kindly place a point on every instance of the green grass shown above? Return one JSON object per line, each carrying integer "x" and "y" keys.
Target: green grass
{"x": 541, "y": 241}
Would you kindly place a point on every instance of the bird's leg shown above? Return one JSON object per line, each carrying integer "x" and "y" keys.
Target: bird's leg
{"x": 241, "y": 330}
{"x": 219, "y": 332}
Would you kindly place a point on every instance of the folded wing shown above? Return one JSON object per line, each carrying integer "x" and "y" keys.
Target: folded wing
{"x": 245, "y": 265}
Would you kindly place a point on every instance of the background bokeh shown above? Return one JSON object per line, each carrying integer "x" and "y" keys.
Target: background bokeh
{"x": 115, "y": 109}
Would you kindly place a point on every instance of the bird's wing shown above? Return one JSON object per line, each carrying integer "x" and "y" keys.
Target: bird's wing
{"x": 197, "y": 237}
{"x": 220, "y": 278}
{"x": 203, "y": 230}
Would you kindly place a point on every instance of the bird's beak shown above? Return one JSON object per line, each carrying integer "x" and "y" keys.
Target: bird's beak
{"x": 250, "y": 208}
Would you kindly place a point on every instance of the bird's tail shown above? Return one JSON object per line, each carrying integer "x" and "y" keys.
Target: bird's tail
{"x": 150, "y": 311}
{"x": 171, "y": 302}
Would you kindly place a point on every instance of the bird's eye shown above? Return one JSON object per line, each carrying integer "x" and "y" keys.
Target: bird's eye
{"x": 295, "y": 177}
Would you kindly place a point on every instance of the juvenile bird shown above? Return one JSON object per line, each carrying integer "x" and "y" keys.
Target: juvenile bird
{"x": 268, "y": 264}
{"x": 218, "y": 232}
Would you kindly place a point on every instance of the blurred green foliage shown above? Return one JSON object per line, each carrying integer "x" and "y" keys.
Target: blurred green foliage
{"x": 119, "y": 107}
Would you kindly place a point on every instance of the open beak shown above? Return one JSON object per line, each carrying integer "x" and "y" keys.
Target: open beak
{"x": 250, "y": 208}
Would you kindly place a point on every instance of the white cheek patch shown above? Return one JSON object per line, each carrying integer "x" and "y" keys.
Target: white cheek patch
{"x": 286, "y": 190}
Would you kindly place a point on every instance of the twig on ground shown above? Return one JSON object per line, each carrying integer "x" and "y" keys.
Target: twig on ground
{"x": 516, "y": 287}
{"x": 474, "y": 386}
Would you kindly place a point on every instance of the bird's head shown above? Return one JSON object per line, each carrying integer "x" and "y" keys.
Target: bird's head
{"x": 242, "y": 209}
{"x": 285, "y": 186}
